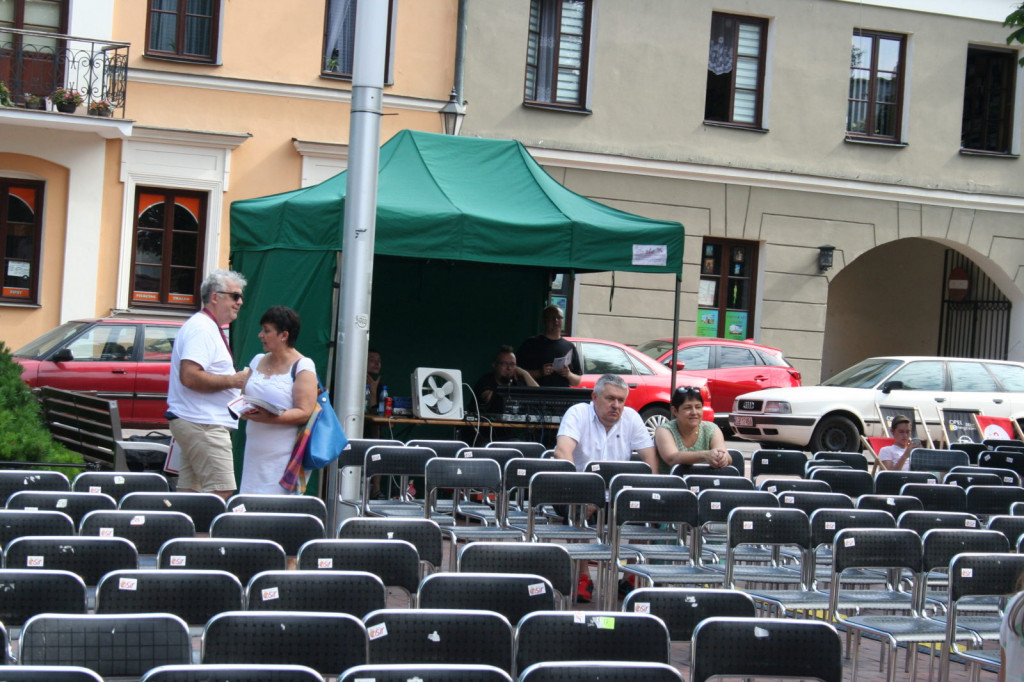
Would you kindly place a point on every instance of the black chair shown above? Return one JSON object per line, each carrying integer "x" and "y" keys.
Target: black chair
{"x": 549, "y": 560}
{"x": 329, "y": 643}
{"x": 355, "y": 451}
{"x": 852, "y": 482}
{"x": 608, "y": 469}
{"x": 356, "y": 593}
{"x": 1017, "y": 509}
{"x": 989, "y": 500}
{"x": 290, "y": 531}
{"x": 854, "y": 460}
{"x": 88, "y": 557}
{"x": 501, "y": 455}
{"x": 441, "y": 448}
{"x": 395, "y": 562}
{"x": 25, "y": 593}
{"x": 810, "y": 502}
{"x": 966, "y": 479}
{"x": 425, "y": 672}
{"x": 243, "y": 558}
{"x": 49, "y": 673}
{"x": 194, "y": 595}
{"x": 973, "y": 450}
{"x": 1003, "y": 459}
{"x": 891, "y": 482}
{"x": 1010, "y": 526}
{"x": 937, "y": 497}
{"x": 647, "y": 533}
{"x": 529, "y": 449}
{"x": 713, "y": 507}
{"x": 928, "y": 459}
{"x": 393, "y": 460}
{"x": 783, "y": 648}
{"x": 922, "y": 521}
{"x": 117, "y": 484}
{"x": 1008, "y": 476}
{"x": 894, "y": 504}
{"x": 993, "y": 443}
{"x": 13, "y": 480}
{"x": 15, "y": 523}
{"x": 825, "y": 523}
{"x": 75, "y": 505}
{"x": 423, "y": 534}
{"x": 784, "y": 485}
{"x": 682, "y": 609}
{"x": 702, "y": 469}
{"x": 439, "y": 636}
{"x": 941, "y": 545}
{"x": 233, "y": 673}
{"x": 517, "y": 475}
{"x": 278, "y": 504}
{"x": 108, "y": 645}
{"x": 202, "y": 508}
{"x": 777, "y": 463}
{"x": 513, "y": 595}
{"x": 771, "y": 528}
{"x": 147, "y": 530}
{"x": 698, "y": 482}
{"x": 606, "y": 671}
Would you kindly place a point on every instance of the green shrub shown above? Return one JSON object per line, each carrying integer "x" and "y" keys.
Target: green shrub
{"x": 23, "y": 435}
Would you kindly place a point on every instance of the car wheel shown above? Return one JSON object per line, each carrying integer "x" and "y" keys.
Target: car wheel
{"x": 836, "y": 433}
{"x": 654, "y": 416}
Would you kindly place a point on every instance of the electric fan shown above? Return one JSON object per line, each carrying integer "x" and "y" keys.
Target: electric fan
{"x": 437, "y": 393}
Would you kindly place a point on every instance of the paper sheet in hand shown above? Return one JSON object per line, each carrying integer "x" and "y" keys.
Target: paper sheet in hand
{"x": 561, "y": 363}
{"x": 246, "y": 403}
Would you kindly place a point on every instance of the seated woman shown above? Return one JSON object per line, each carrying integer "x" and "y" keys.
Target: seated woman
{"x": 687, "y": 439}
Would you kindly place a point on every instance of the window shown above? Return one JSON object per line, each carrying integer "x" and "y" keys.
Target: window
{"x": 167, "y": 258}
{"x": 729, "y": 357}
{"x": 695, "y": 357}
{"x": 602, "y": 359}
{"x": 725, "y": 299}
{"x": 29, "y": 64}
{"x": 988, "y": 100}
{"x": 922, "y": 376}
{"x": 183, "y": 29}
{"x": 736, "y": 62}
{"x": 1010, "y": 376}
{"x": 21, "y": 229}
{"x": 340, "y": 37}
{"x": 557, "y": 52}
{"x": 876, "y": 86}
{"x": 971, "y": 376}
{"x": 104, "y": 343}
{"x": 158, "y": 343}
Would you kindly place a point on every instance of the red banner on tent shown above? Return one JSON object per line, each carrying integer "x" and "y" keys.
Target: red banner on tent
{"x": 996, "y": 428}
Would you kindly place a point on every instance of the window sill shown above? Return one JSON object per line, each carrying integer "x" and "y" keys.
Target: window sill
{"x": 555, "y": 107}
{"x": 735, "y": 126}
{"x": 874, "y": 143}
{"x": 4, "y": 303}
{"x": 181, "y": 60}
{"x": 993, "y": 155}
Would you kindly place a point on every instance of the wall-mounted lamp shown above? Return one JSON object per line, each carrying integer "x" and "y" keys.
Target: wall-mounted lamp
{"x": 452, "y": 114}
{"x": 825, "y": 257}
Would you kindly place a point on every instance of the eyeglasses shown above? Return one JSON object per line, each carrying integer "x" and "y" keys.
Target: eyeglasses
{"x": 236, "y": 296}
{"x": 685, "y": 391}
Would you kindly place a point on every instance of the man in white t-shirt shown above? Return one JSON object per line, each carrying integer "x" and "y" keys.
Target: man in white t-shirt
{"x": 203, "y": 381}
{"x": 604, "y": 428}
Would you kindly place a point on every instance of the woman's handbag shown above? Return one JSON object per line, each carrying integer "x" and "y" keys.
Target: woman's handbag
{"x": 317, "y": 444}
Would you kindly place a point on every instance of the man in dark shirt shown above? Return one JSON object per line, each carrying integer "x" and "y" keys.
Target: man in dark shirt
{"x": 543, "y": 356}
{"x": 504, "y": 372}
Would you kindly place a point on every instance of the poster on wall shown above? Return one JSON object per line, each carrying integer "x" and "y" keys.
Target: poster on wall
{"x": 736, "y": 324}
{"x": 707, "y": 322}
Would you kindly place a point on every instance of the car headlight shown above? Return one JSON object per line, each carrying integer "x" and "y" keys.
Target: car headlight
{"x": 776, "y": 407}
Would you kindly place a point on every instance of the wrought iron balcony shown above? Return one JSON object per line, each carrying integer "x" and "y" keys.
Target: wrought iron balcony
{"x": 33, "y": 64}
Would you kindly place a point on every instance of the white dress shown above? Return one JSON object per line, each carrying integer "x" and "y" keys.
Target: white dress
{"x": 269, "y": 446}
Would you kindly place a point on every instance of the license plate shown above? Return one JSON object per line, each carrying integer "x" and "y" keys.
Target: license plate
{"x": 744, "y": 421}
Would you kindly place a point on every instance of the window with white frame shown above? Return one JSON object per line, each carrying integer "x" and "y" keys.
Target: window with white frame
{"x": 736, "y": 66}
{"x": 557, "y": 53}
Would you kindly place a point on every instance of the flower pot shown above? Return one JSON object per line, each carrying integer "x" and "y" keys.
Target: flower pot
{"x": 66, "y": 107}
{"x": 106, "y": 113}
{"x": 38, "y": 105}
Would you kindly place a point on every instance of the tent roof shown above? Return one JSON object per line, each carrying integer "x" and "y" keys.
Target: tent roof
{"x": 460, "y": 198}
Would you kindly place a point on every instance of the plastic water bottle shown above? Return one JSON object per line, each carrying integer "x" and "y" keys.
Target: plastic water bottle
{"x": 366, "y": 399}
{"x": 381, "y": 401}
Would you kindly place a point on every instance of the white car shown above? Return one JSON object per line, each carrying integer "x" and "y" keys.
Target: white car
{"x": 834, "y": 415}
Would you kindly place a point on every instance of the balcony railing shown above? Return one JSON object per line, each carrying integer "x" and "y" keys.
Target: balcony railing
{"x": 33, "y": 64}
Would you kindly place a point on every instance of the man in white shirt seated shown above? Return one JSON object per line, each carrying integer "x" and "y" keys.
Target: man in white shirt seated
{"x": 604, "y": 428}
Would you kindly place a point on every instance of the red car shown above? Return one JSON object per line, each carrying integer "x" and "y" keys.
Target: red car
{"x": 649, "y": 382}
{"x": 731, "y": 368}
{"x": 123, "y": 359}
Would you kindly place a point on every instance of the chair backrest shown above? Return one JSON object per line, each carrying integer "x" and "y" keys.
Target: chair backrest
{"x": 894, "y": 504}
{"x": 966, "y": 479}
{"x": 972, "y": 449}
{"x": 441, "y": 448}
{"x": 439, "y": 636}
{"x": 811, "y": 502}
{"x": 992, "y": 499}
{"x": 548, "y": 559}
{"x": 395, "y": 562}
{"x": 803, "y": 485}
{"x": 825, "y": 523}
{"x": 519, "y": 471}
{"x": 922, "y": 521}
{"x": 1008, "y": 476}
{"x": 852, "y": 482}
{"x": 425, "y": 672}
{"x": 288, "y": 530}
{"x": 529, "y": 449}
{"x": 698, "y": 482}
{"x": 777, "y": 463}
{"x": 278, "y": 504}
{"x": 15, "y": 523}
{"x": 499, "y": 455}
{"x": 972, "y": 575}
{"x": 356, "y": 593}
{"x": 608, "y": 469}
{"x": 117, "y": 484}
{"x": 768, "y": 527}
{"x": 393, "y": 460}
{"x": 876, "y": 548}
{"x": 855, "y": 460}
{"x": 713, "y": 506}
{"x": 891, "y": 482}
{"x": 89, "y": 557}
{"x": 108, "y": 645}
{"x": 682, "y": 609}
{"x": 993, "y": 443}
{"x": 147, "y": 530}
{"x": 424, "y": 534}
{"x": 940, "y": 545}
{"x": 654, "y": 505}
{"x": 453, "y": 473}
{"x": 49, "y": 673}
{"x": 590, "y": 636}
{"x": 1003, "y": 459}
{"x": 937, "y": 497}
{"x": 236, "y": 672}
{"x": 355, "y": 452}
{"x": 243, "y": 558}
{"x": 813, "y": 464}
{"x": 202, "y": 508}
{"x": 606, "y": 671}
{"x": 75, "y": 505}
{"x": 1010, "y": 526}
{"x": 571, "y": 488}
{"x": 704, "y": 470}
{"x": 193, "y": 595}
{"x": 329, "y": 643}
{"x": 771, "y": 648}
{"x": 513, "y": 595}
{"x": 621, "y": 481}
{"x": 25, "y": 593}
{"x": 928, "y": 459}
{"x": 13, "y": 480}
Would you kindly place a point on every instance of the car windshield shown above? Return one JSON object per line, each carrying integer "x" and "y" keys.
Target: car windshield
{"x": 654, "y": 349}
{"x": 864, "y": 374}
{"x": 50, "y": 340}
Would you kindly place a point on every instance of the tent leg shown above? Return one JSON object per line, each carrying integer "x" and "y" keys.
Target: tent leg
{"x": 675, "y": 332}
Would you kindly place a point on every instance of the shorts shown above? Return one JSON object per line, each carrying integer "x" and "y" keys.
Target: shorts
{"x": 207, "y": 461}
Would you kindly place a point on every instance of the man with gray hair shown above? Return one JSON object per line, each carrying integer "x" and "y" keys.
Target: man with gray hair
{"x": 604, "y": 428}
{"x": 203, "y": 381}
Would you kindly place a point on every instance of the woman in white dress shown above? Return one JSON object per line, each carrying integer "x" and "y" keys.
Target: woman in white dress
{"x": 285, "y": 378}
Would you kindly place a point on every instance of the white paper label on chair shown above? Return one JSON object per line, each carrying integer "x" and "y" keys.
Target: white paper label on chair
{"x": 31, "y": 508}
{"x": 138, "y": 521}
{"x": 106, "y": 532}
{"x": 62, "y": 503}
{"x": 34, "y": 561}
{"x": 434, "y": 637}
{"x": 378, "y": 631}
{"x": 536, "y": 589}
{"x": 788, "y": 499}
{"x": 95, "y": 489}
{"x": 716, "y": 505}
{"x": 325, "y": 562}
{"x": 890, "y": 501}
{"x": 764, "y": 460}
{"x": 238, "y": 509}
{"x": 596, "y": 467}
{"x": 830, "y": 525}
{"x": 168, "y": 503}
{"x": 850, "y": 542}
{"x": 270, "y": 593}
{"x": 966, "y": 572}
{"x": 130, "y": 584}
{"x": 655, "y": 496}
{"x": 1008, "y": 479}
{"x": 634, "y": 504}
{"x": 391, "y": 535}
{"x": 458, "y": 472}
{"x": 717, "y": 482}
{"x": 695, "y": 489}
{"x": 579, "y": 617}
{"x": 1009, "y": 460}
{"x": 642, "y": 607}
{"x": 468, "y": 455}
{"x": 376, "y": 458}
{"x": 760, "y": 633}
{"x": 748, "y": 525}
{"x": 177, "y": 560}
{"x": 772, "y": 489}
{"x": 118, "y": 480}
{"x": 520, "y": 472}
{"x": 970, "y": 523}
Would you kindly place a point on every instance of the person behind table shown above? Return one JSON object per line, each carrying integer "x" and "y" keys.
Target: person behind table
{"x": 538, "y": 353}
{"x": 504, "y": 372}
{"x": 203, "y": 381}
{"x": 896, "y": 457}
{"x": 687, "y": 438}
{"x": 373, "y": 366}
{"x": 284, "y": 377}
{"x": 1011, "y": 638}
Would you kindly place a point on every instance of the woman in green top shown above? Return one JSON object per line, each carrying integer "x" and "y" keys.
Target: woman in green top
{"x": 687, "y": 439}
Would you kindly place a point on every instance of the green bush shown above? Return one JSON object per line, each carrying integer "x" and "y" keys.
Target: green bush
{"x": 23, "y": 435}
